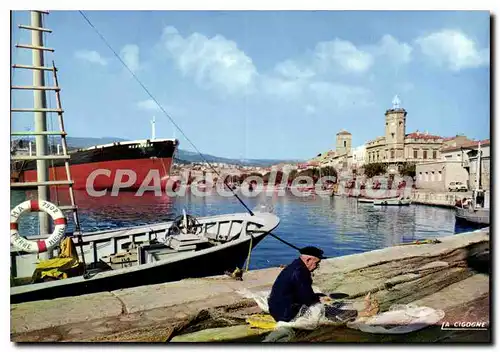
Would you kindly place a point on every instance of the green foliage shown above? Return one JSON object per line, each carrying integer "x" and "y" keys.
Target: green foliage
{"x": 279, "y": 176}
{"x": 374, "y": 169}
{"x": 408, "y": 169}
{"x": 328, "y": 171}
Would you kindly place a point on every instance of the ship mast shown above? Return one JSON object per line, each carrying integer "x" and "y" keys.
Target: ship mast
{"x": 153, "y": 130}
{"x": 39, "y": 101}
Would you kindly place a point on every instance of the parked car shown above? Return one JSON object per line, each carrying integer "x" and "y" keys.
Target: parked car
{"x": 457, "y": 187}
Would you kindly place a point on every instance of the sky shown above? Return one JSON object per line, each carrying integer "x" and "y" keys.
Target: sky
{"x": 264, "y": 84}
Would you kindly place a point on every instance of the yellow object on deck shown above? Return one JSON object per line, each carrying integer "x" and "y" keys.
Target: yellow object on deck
{"x": 53, "y": 273}
{"x": 261, "y": 321}
{"x": 57, "y": 268}
{"x": 68, "y": 249}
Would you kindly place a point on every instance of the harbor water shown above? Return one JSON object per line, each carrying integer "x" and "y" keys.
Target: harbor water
{"x": 338, "y": 225}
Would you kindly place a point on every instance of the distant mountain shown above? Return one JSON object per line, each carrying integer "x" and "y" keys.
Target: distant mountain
{"x": 181, "y": 155}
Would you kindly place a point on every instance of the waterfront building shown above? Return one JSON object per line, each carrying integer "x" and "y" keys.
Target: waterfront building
{"x": 458, "y": 164}
{"x": 396, "y": 146}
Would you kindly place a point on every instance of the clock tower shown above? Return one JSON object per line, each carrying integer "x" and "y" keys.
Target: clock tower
{"x": 395, "y": 130}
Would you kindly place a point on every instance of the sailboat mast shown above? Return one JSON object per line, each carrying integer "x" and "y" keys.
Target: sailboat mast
{"x": 39, "y": 101}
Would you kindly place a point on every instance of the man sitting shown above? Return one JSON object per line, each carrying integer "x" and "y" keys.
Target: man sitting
{"x": 293, "y": 286}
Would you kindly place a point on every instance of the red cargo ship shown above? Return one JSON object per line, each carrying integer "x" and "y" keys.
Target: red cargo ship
{"x": 97, "y": 166}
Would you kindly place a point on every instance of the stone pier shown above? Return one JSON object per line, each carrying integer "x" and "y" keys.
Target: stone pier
{"x": 444, "y": 199}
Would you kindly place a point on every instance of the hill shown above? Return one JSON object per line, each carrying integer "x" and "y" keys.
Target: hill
{"x": 181, "y": 155}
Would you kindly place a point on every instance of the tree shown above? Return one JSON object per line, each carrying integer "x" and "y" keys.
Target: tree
{"x": 329, "y": 171}
{"x": 292, "y": 175}
{"x": 375, "y": 169}
{"x": 408, "y": 169}
{"x": 279, "y": 177}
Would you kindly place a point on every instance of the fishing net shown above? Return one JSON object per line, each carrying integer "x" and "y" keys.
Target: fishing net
{"x": 308, "y": 318}
{"x": 259, "y": 297}
{"x": 400, "y": 319}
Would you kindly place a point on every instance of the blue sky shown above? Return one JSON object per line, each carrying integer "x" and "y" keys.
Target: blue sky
{"x": 266, "y": 84}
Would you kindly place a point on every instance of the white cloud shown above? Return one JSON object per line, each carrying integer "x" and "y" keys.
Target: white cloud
{"x": 148, "y": 105}
{"x": 390, "y": 49}
{"x": 218, "y": 63}
{"x": 287, "y": 89}
{"x": 342, "y": 54}
{"x": 130, "y": 55}
{"x": 453, "y": 49}
{"x": 91, "y": 56}
{"x": 290, "y": 69}
{"x": 213, "y": 62}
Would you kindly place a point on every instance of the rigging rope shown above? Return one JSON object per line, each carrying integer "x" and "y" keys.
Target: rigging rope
{"x": 161, "y": 107}
{"x": 173, "y": 122}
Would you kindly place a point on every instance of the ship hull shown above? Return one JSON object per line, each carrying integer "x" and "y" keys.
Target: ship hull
{"x": 125, "y": 166}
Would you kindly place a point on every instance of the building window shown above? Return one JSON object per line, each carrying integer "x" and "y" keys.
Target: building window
{"x": 425, "y": 154}
{"x": 345, "y": 144}
{"x": 420, "y": 176}
{"x": 440, "y": 176}
{"x": 426, "y": 176}
{"x": 432, "y": 176}
{"x": 378, "y": 156}
{"x": 415, "y": 153}
{"x": 392, "y": 134}
{"x": 434, "y": 154}
{"x": 392, "y": 154}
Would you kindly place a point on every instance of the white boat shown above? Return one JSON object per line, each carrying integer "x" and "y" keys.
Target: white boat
{"x": 392, "y": 202}
{"x": 115, "y": 259}
{"x": 476, "y": 209}
{"x": 366, "y": 200}
{"x": 149, "y": 254}
{"x": 473, "y": 214}
{"x": 373, "y": 200}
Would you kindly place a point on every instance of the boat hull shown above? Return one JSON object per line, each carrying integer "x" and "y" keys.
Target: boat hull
{"x": 151, "y": 266}
{"x": 478, "y": 216}
{"x": 209, "y": 264}
{"x": 392, "y": 202}
{"x": 127, "y": 165}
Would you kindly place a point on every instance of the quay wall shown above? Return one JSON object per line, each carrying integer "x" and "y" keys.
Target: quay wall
{"x": 444, "y": 199}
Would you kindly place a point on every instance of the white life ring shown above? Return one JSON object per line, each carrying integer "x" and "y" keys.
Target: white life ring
{"x": 37, "y": 246}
